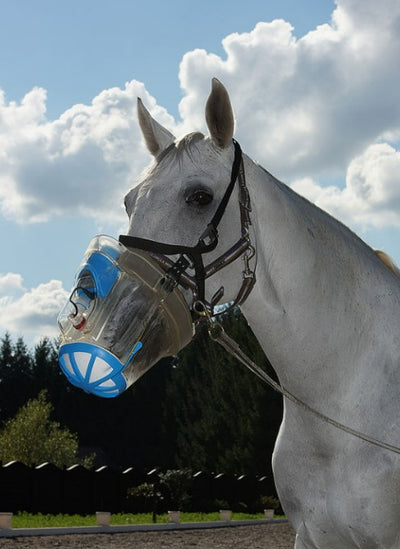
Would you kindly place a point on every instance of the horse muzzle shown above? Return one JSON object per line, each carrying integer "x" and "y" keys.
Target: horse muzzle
{"x": 123, "y": 315}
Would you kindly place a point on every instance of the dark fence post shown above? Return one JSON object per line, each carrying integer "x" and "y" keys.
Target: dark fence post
{"x": 47, "y": 489}
{"x": 78, "y": 491}
{"x": 246, "y": 493}
{"x": 129, "y": 478}
{"x": 266, "y": 486}
{"x": 106, "y": 489}
{"x": 202, "y": 492}
{"x": 224, "y": 490}
{"x": 15, "y": 487}
{"x": 154, "y": 479}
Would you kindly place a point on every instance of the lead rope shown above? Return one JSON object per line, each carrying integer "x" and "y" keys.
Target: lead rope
{"x": 218, "y": 334}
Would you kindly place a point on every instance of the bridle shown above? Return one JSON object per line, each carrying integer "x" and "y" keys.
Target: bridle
{"x": 191, "y": 257}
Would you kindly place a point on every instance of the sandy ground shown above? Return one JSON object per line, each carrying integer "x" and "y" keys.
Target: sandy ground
{"x": 265, "y": 536}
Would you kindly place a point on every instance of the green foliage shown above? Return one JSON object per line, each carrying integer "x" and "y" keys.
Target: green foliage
{"x": 146, "y": 491}
{"x": 269, "y": 502}
{"x": 173, "y": 487}
{"x": 32, "y": 438}
{"x": 40, "y": 520}
{"x": 221, "y": 504}
{"x": 177, "y": 486}
{"x": 147, "y": 496}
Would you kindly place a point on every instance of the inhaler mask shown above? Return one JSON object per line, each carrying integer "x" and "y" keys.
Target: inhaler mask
{"x": 122, "y": 317}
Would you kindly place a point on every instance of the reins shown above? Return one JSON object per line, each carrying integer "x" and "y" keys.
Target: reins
{"x": 218, "y": 334}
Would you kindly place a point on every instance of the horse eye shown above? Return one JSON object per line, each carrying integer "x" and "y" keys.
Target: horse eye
{"x": 200, "y": 197}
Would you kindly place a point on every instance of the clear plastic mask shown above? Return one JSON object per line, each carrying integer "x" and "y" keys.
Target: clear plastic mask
{"x": 120, "y": 319}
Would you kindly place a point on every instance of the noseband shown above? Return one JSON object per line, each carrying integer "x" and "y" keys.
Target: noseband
{"x": 191, "y": 257}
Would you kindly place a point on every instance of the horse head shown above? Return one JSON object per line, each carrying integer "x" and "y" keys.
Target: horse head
{"x": 177, "y": 198}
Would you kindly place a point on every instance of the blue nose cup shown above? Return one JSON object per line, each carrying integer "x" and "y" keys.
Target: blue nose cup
{"x": 94, "y": 369}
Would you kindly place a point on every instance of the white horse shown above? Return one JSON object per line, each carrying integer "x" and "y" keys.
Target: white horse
{"x": 325, "y": 309}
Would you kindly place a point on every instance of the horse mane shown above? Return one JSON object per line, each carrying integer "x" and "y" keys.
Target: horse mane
{"x": 388, "y": 262}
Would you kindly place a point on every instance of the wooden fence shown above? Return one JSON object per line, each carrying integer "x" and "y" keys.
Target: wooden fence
{"x": 47, "y": 489}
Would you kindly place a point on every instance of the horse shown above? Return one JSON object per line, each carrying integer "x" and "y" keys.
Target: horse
{"x": 325, "y": 308}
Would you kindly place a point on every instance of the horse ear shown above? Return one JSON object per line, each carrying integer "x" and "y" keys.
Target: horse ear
{"x": 156, "y": 136}
{"x": 219, "y": 115}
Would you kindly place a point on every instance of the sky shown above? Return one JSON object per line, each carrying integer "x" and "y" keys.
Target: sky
{"x": 314, "y": 85}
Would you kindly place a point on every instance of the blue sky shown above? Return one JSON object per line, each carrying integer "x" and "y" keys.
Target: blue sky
{"x": 78, "y": 48}
{"x": 327, "y": 73}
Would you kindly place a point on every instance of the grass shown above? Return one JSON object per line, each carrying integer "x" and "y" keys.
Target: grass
{"x": 28, "y": 520}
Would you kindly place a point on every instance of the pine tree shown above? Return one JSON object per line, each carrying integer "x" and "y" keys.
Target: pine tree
{"x": 15, "y": 376}
{"x": 223, "y": 418}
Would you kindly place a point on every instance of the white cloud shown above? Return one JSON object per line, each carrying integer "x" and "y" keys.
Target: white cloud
{"x": 305, "y": 107}
{"x": 80, "y": 164}
{"x": 10, "y": 282}
{"x": 33, "y": 312}
{"x": 372, "y": 193}
{"x": 308, "y": 105}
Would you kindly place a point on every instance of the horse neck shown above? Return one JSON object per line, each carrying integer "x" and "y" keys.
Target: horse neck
{"x": 310, "y": 268}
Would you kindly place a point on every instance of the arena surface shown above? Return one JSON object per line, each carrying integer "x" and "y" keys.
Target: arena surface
{"x": 261, "y": 536}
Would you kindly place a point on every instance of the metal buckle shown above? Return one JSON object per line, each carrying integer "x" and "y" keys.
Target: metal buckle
{"x": 209, "y": 236}
{"x": 181, "y": 264}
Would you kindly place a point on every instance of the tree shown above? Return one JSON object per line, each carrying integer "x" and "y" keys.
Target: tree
{"x": 32, "y": 438}
{"x": 221, "y": 417}
{"x": 47, "y": 375}
{"x": 15, "y": 376}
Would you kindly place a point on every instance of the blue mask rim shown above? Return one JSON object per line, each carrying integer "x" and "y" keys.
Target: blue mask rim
{"x": 83, "y": 381}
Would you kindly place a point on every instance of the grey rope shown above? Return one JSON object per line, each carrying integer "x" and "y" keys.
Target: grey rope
{"x": 218, "y": 334}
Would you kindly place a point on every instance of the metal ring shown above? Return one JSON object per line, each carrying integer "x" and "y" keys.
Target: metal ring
{"x": 201, "y": 309}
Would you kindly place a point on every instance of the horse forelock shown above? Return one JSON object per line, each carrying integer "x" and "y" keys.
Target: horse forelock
{"x": 190, "y": 139}
{"x": 177, "y": 149}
